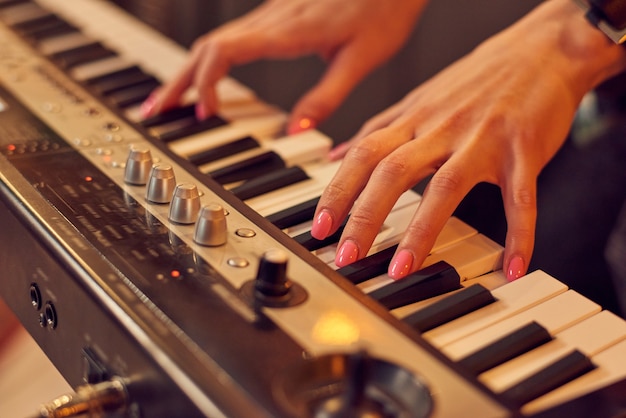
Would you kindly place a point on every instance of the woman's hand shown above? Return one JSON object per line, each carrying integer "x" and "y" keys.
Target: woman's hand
{"x": 498, "y": 116}
{"x": 354, "y": 36}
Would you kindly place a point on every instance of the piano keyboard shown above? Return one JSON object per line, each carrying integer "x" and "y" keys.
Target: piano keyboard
{"x": 471, "y": 319}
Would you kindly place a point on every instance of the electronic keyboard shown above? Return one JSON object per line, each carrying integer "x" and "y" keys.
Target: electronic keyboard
{"x": 166, "y": 267}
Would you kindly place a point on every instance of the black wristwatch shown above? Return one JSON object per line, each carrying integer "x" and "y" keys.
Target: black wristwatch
{"x": 607, "y": 15}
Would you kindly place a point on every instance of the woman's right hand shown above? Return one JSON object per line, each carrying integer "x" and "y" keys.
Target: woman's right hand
{"x": 353, "y": 36}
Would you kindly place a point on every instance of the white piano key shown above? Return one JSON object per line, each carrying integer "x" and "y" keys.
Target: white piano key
{"x": 101, "y": 67}
{"x": 20, "y": 13}
{"x": 554, "y": 315}
{"x": 611, "y": 368}
{"x": 301, "y": 148}
{"x": 64, "y": 42}
{"x": 475, "y": 256}
{"x": 512, "y": 298}
{"x": 590, "y": 336}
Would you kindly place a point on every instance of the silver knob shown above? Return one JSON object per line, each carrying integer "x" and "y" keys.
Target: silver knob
{"x": 161, "y": 184}
{"x": 211, "y": 226}
{"x": 185, "y": 204}
{"x": 138, "y": 166}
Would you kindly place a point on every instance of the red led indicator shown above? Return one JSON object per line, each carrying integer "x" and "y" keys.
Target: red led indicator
{"x": 11, "y": 147}
{"x": 175, "y": 274}
{"x": 88, "y": 179}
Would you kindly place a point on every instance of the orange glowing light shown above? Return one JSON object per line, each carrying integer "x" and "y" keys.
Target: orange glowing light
{"x": 11, "y": 147}
{"x": 305, "y": 123}
{"x": 88, "y": 179}
{"x": 175, "y": 274}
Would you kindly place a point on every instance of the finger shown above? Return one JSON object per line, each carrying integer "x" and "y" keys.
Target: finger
{"x": 211, "y": 57}
{"x": 520, "y": 206}
{"x": 354, "y": 172}
{"x": 395, "y": 174}
{"x": 445, "y": 191}
{"x": 348, "y": 67}
{"x": 168, "y": 95}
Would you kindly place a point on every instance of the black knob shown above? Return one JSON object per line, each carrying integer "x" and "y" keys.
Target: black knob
{"x": 271, "y": 278}
{"x": 272, "y": 287}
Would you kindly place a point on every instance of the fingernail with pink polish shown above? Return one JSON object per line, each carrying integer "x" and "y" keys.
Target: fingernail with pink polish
{"x": 347, "y": 254}
{"x": 516, "y": 268}
{"x": 301, "y": 125}
{"x": 401, "y": 265}
{"x": 147, "y": 107}
{"x": 338, "y": 152}
{"x": 201, "y": 112}
{"x": 322, "y": 225}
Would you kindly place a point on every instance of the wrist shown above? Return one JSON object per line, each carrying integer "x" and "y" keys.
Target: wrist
{"x": 587, "y": 56}
{"x": 558, "y": 39}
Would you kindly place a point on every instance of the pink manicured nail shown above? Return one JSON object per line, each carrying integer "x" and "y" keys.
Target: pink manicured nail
{"x": 516, "y": 268}
{"x": 147, "y": 107}
{"x": 401, "y": 265}
{"x": 338, "y": 152}
{"x": 301, "y": 125}
{"x": 321, "y": 225}
{"x": 201, "y": 112}
{"x": 347, "y": 254}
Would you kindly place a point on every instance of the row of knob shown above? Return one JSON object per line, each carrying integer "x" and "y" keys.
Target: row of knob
{"x": 184, "y": 198}
{"x": 271, "y": 287}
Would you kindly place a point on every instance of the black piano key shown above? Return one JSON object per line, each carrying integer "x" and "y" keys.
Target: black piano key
{"x": 506, "y": 348}
{"x": 123, "y": 82}
{"x": 564, "y": 370}
{"x": 369, "y": 267}
{"x": 223, "y": 151}
{"x": 49, "y": 31}
{"x": 307, "y": 241}
{"x": 40, "y": 22}
{"x": 170, "y": 115}
{"x": 82, "y": 55}
{"x": 270, "y": 182}
{"x": 294, "y": 215}
{"x": 132, "y": 95}
{"x": 430, "y": 281}
{"x": 451, "y": 307}
{"x": 249, "y": 168}
{"x": 185, "y": 127}
{"x": 110, "y": 77}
